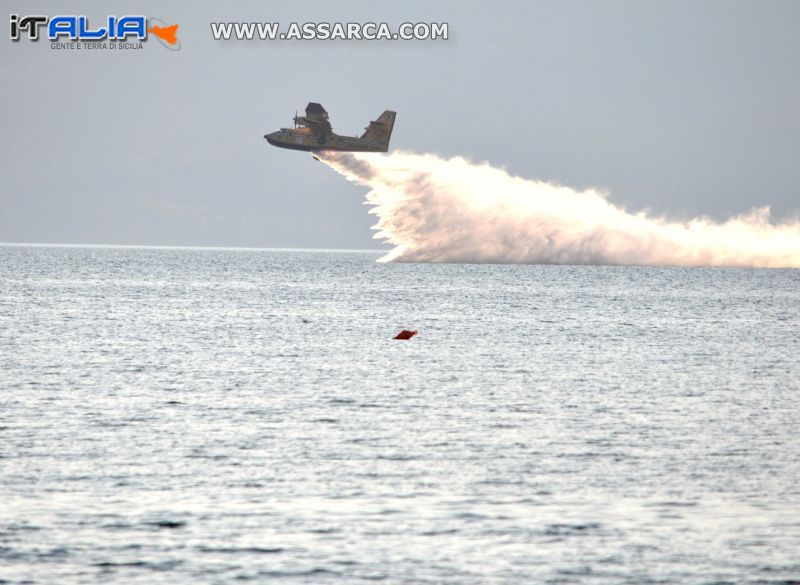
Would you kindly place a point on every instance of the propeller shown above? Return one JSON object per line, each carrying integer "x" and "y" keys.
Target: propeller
{"x": 295, "y": 118}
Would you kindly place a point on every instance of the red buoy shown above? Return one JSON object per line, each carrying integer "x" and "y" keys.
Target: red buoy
{"x": 405, "y": 334}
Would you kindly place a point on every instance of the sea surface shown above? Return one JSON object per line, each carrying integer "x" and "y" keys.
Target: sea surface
{"x": 234, "y": 416}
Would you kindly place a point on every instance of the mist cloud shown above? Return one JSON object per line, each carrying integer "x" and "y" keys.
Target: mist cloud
{"x": 451, "y": 210}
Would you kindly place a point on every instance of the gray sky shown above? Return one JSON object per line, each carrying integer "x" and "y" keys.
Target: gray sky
{"x": 684, "y": 108}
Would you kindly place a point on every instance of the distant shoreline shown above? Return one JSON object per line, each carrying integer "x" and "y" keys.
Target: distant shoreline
{"x": 169, "y": 247}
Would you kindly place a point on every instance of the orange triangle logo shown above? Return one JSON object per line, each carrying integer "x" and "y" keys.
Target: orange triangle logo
{"x": 167, "y": 34}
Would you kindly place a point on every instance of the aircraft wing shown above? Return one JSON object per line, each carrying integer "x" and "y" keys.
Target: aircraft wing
{"x": 318, "y": 126}
{"x": 316, "y": 119}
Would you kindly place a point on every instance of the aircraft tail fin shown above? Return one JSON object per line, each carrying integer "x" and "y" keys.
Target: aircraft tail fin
{"x": 380, "y": 130}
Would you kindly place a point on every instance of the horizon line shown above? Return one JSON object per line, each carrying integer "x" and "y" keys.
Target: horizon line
{"x": 185, "y": 247}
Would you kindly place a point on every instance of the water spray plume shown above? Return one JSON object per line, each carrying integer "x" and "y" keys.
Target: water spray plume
{"x": 434, "y": 209}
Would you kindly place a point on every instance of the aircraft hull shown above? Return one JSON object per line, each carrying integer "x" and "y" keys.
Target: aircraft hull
{"x": 287, "y": 139}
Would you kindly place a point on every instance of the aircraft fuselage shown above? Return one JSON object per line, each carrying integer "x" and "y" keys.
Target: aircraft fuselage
{"x": 302, "y": 139}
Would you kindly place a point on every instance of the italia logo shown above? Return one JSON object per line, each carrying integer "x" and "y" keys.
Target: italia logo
{"x": 129, "y": 28}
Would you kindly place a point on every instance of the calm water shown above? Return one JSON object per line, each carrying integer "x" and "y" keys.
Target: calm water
{"x": 215, "y": 416}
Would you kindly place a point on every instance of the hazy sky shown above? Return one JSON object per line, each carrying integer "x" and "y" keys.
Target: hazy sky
{"x": 684, "y": 108}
